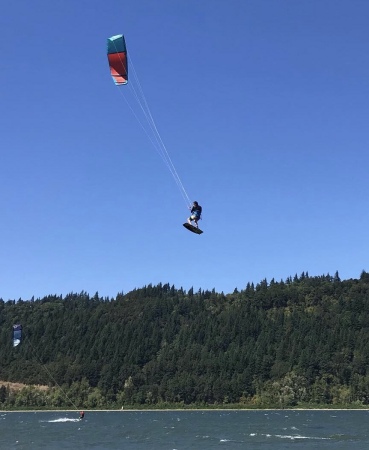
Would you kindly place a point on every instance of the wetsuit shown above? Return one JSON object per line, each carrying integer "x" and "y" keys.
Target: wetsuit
{"x": 196, "y": 211}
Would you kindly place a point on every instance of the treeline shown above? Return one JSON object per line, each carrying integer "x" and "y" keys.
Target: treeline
{"x": 299, "y": 342}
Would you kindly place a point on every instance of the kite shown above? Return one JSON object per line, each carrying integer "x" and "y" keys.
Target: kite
{"x": 117, "y": 57}
{"x": 17, "y": 334}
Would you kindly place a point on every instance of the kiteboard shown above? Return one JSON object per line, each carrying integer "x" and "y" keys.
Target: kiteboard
{"x": 192, "y": 228}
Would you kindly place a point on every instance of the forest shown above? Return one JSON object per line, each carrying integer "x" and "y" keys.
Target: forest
{"x": 300, "y": 342}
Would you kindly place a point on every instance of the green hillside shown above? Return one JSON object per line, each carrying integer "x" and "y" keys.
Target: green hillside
{"x": 299, "y": 342}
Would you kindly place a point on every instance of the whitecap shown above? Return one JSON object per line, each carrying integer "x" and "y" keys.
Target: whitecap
{"x": 63, "y": 419}
{"x": 293, "y": 437}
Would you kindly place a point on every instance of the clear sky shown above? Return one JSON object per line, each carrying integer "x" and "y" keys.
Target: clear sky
{"x": 263, "y": 106}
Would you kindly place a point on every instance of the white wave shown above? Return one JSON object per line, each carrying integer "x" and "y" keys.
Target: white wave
{"x": 293, "y": 437}
{"x": 290, "y": 436}
{"x": 63, "y": 419}
{"x": 230, "y": 440}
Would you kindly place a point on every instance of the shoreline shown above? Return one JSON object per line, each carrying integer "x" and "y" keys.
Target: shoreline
{"x": 177, "y": 410}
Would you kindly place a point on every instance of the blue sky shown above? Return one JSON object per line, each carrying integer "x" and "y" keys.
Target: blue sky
{"x": 263, "y": 106}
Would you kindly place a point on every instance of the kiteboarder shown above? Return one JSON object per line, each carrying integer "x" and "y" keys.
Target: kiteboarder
{"x": 195, "y": 216}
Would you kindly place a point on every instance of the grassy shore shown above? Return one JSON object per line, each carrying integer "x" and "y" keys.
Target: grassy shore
{"x": 17, "y": 387}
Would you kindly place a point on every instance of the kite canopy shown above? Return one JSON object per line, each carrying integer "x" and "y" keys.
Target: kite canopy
{"x": 117, "y": 57}
{"x": 17, "y": 334}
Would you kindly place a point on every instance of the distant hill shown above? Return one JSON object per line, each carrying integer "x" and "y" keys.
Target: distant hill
{"x": 302, "y": 341}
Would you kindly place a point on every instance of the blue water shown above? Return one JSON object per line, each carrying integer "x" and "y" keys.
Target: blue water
{"x": 181, "y": 430}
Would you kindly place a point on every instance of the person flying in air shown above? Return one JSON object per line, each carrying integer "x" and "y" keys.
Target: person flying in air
{"x": 195, "y": 216}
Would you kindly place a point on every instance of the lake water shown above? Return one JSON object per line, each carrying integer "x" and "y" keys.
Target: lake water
{"x": 180, "y": 430}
